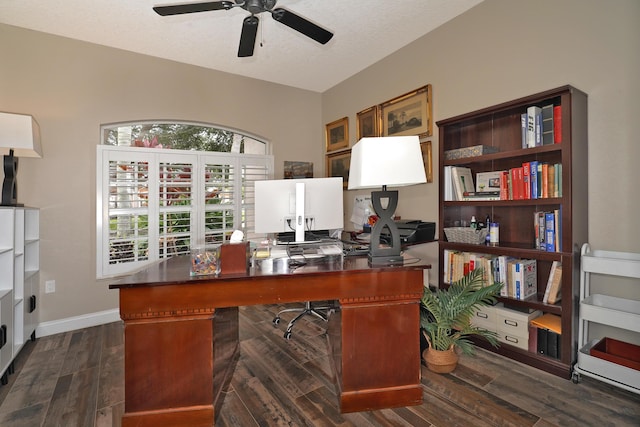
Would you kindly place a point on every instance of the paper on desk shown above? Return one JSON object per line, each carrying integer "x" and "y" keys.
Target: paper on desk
{"x": 362, "y": 208}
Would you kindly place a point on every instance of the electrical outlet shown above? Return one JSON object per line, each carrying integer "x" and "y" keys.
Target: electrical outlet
{"x": 49, "y": 286}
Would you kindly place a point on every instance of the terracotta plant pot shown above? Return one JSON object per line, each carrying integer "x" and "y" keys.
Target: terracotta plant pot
{"x": 440, "y": 361}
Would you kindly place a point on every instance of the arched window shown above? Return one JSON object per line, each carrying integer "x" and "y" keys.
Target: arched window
{"x": 165, "y": 187}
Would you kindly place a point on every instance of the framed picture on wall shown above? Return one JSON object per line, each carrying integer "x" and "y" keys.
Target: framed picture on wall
{"x": 294, "y": 170}
{"x": 408, "y": 114}
{"x": 367, "y": 123}
{"x": 338, "y": 166}
{"x": 337, "y": 134}
{"x": 427, "y": 158}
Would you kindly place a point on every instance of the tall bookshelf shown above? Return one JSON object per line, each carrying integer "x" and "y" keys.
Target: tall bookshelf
{"x": 19, "y": 282}
{"x": 500, "y": 127}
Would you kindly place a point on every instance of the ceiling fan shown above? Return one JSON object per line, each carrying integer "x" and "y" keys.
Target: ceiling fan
{"x": 250, "y": 23}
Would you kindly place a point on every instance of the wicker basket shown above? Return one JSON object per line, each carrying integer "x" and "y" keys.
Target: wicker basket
{"x": 466, "y": 235}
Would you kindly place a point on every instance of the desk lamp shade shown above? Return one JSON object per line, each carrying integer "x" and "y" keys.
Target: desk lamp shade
{"x": 19, "y": 137}
{"x": 394, "y": 161}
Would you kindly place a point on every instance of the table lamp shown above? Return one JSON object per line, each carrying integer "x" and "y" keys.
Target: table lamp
{"x": 394, "y": 161}
{"x": 19, "y": 137}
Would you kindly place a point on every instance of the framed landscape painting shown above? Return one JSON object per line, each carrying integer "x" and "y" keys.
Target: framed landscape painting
{"x": 408, "y": 114}
{"x": 367, "y": 123}
{"x": 337, "y": 134}
{"x": 338, "y": 166}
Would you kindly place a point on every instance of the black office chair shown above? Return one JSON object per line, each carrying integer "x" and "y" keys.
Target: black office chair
{"x": 321, "y": 312}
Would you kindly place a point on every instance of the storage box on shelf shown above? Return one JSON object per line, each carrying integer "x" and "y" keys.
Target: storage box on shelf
{"x": 500, "y": 128}
{"x": 612, "y": 311}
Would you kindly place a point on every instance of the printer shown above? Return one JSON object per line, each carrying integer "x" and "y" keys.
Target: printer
{"x": 414, "y": 231}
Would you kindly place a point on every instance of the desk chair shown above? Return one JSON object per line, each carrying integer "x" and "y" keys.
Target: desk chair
{"x": 321, "y": 312}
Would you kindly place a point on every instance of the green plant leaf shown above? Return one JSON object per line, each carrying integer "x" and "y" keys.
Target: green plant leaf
{"x": 446, "y": 313}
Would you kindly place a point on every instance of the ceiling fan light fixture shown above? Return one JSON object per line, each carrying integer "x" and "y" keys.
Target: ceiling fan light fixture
{"x": 250, "y": 24}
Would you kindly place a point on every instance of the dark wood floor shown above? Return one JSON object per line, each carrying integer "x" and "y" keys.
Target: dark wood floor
{"x": 76, "y": 379}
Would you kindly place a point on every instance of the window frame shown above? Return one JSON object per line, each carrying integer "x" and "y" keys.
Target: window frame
{"x": 242, "y": 205}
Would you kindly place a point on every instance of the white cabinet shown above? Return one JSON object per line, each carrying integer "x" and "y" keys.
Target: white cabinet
{"x": 606, "y": 310}
{"x": 19, "y": 281}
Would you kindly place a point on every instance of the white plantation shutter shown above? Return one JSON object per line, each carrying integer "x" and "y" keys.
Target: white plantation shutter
{"x": 157, "y": 203}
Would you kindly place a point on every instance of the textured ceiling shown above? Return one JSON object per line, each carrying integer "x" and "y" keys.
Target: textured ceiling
{"x": 365, "y": 31}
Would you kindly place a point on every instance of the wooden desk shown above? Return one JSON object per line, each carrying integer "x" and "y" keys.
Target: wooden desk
{"x": 181, "y": 334}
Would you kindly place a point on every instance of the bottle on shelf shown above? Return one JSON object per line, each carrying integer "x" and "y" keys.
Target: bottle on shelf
{"x": 474, "y": 223}
{"x": 494, "y": 234}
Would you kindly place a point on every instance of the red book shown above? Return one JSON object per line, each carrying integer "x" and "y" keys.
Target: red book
{"x": 526, "y": 176}
{"x": 504, "y": 185}
{"x": 557, "y": 124}
{"x": 517, "y": 182}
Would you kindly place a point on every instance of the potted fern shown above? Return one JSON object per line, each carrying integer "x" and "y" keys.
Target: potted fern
{"x": 445, "y": 319}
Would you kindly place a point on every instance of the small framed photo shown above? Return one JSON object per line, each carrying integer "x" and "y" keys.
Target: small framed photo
{"x": 294, "y": 170}
{"x": 337, "y": 134}
{"x": 367, "y": 123}
{"x": 408, "y": 114}
{"x": 427, "y": 157}
{"x": 338, "y": 166}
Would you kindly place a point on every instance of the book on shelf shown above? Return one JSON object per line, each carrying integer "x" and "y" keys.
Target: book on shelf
{"x": 550, "y": 231}
{"x": 548, "y": 330}
{"x": 448, "y": 184}
{"x": 526, "y": 178}
{"x": 526, "y": 279}
{"x": 539, "y": 177}
{"x": 545, "y": 180}
{"x": 462, "y": 181}
{"x": 517, "y": 183}
{"x": 552, "y": 293}
{"x": 533, "y": 180}
{"x": 547, "y": 125}
{"x": 539, "y": 225}
{"x": 557, "y": 124}
{"x": 534, "y": 119}
{"x": 482, "y": 196}
{"x": 551, "y": 185}
{"x": 523, "y": 127}
{"x": 558, "y": 180}
{"x": 557, "y": 213}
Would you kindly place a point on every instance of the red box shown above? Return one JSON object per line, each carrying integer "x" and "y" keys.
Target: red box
{"x": 619, "y": 352}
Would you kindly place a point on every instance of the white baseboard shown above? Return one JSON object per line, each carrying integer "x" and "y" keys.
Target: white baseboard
{"x": 78, "y": 322}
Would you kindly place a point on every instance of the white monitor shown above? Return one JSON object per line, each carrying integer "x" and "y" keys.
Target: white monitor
{"x": 299, "y": 206}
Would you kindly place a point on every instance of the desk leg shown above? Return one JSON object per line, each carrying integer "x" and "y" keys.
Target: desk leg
{"x": 169, "y": 368}
{"x": 376, "y": 354}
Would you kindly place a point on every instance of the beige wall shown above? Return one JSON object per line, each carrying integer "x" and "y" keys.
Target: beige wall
{"x": 497, "y": 51}
{"x": 504, "y": 49}
{"x": 72, "y": 88}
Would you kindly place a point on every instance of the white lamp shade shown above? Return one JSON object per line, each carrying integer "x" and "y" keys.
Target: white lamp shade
{"x": 21, "y": 133}
{"x": 394, "y": 161}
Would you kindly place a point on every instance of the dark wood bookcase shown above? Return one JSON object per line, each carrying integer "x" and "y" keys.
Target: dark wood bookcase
{"x": 499, "y": 127}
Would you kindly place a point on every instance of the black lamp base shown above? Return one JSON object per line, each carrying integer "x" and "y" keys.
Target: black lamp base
{"x": 10, "y": 185}
{"x": 388, "y": 253}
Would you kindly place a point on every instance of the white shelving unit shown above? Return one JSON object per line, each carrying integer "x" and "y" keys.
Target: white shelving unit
{"x": 19, "y": 281}
{"x": 606, "y": 310}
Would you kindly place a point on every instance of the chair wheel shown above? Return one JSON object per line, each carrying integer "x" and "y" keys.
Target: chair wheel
{"x": 287, "y": 335}
{"x": 276, "y": 320}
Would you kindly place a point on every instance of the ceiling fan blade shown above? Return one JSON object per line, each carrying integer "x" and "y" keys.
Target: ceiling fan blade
{"x": 300, "y": 24}
{"x": 248, "y": 36}
{"x": 178, "y": 9}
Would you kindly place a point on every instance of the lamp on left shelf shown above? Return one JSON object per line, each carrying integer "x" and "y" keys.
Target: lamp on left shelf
{"x": 19, "y": 137}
